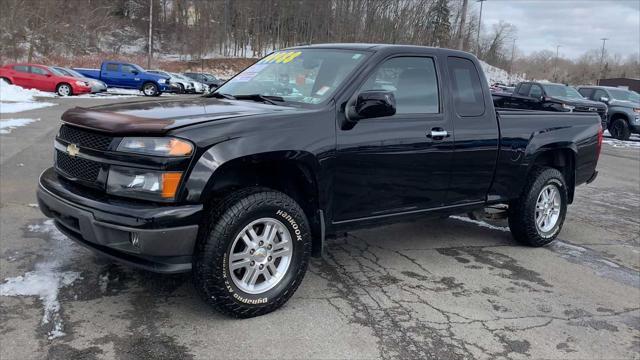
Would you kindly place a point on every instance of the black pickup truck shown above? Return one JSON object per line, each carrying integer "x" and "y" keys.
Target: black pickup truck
{"x": 547, "y": 96}
{"x": 242, "y": 186}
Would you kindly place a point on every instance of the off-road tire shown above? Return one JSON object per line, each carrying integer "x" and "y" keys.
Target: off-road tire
{"x": 522, "y": 211}
{"x": 217, "y": 233}
{"x": 619, "y": 129}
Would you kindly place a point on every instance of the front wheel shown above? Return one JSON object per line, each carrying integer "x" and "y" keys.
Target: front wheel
{"x": 537, "y": 216}
{"x": 64, "y": 90}
{"x": 619, "y": 129}
{"x": 253, "y": 252}
{"x": 150, "y": 89}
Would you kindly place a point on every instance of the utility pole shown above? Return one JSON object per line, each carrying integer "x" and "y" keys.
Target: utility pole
{"x": 479, "y": 27}
{"x": 150, "y": 54}
{"x": 604, "y": 40}
{"x": 555, "y": 65}
{"x": 513, "y": 55}
{"x": 463, "y": 20}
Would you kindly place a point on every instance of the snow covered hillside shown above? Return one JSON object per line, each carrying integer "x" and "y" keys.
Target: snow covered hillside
{"x": 495, "y": 75}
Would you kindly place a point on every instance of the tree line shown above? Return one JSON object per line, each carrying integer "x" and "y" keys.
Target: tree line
{"x": 193, "y": 29}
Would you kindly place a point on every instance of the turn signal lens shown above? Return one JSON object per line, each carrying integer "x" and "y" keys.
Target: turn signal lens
{"x": 170, "y": 181}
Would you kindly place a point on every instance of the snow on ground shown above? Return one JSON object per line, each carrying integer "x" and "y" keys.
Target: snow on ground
{"x": 632, "y": 143}
{"x": 16, "y": 99}
{"x": 495, "y": 75}
{"x": 46, "y": 280}
{"x": 6, "y": 126}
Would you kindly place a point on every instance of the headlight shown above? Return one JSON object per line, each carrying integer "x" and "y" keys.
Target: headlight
{"x": 163, "y": 146}
{"x": 143, "y": 184}
{"x": 568, "y": 107}
{"x": 162, "y": 81}
{"x": 82, "y": 83}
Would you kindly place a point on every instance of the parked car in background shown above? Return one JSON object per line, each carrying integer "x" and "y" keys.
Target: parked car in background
{"x": 129, "y": 76}
{"x": 243, "y": 185}
{"x": 97, "y": 86}
{"x": 41, "y": 77}
{"x": 198, "y": 87}
{"x": 182, "y": 86}
{"x": 549, "y": 97}
{"x": 624, "y": 108}
{"x": 211, "y": 81}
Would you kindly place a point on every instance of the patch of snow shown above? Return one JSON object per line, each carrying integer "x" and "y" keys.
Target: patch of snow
{"x": 6, "y": 126}
{"x": 14, "y": 107}
{"x": 10, "y": 92}
{"x": 632, "y": 143}
{"x": 33, "y": 205}
{"x": 480, "y": 223}
{"x": 46, "y": 280}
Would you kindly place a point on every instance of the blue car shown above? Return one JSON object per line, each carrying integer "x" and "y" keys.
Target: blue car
{"x": 129, "y": 76}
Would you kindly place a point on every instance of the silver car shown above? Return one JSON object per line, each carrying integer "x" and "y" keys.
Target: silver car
{"x": 198, "y": 87}
{"x": 97, "y": 86}
{"x": 183, "y": 86}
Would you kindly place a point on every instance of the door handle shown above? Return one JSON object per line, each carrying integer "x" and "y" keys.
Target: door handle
{"x": 438, "y": 134}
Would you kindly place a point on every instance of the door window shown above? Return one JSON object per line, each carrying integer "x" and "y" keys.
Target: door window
{"x": 413, "y": 82}
{"x": 586, "y": 92}
{"x": 468, "y": 96}
{"x": 536, "y": 91}
{"x": 39, "y": 71}
{"x": 599, "y": 94}
{"x": 524, "y": 89}
{"x": 128, "y": 69}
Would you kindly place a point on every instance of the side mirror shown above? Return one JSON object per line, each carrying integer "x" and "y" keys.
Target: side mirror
{"x": 604, "y": 99}
{"x": 373, "y": 104}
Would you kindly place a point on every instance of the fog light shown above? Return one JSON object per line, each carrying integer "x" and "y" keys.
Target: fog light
{"x": 134, "y": 239}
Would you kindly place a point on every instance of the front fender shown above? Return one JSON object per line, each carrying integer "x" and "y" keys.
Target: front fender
{"x": 201, "y": 177}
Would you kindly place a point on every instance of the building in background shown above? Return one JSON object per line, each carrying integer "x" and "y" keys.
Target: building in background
{"x": 626, "y": 83}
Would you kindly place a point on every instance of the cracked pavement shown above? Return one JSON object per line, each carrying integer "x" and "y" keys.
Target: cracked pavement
{"x": 442, "y": 289}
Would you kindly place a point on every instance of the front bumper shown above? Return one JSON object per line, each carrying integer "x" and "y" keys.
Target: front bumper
{"x": 153, "y": 237}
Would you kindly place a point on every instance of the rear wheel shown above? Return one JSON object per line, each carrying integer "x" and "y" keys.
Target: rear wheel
{"x": 150, "y": 89}
{"x": 619, "y": 129}
{"x": 5, "y": 80}
{"x": 64, "y": 89}
{"x": 252, "y": 253}
{"x": 537, "y": 216}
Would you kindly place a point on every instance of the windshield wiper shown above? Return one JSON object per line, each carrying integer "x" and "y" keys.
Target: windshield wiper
{"x": 269, "y": 99}
{"x": 221, "y": 96}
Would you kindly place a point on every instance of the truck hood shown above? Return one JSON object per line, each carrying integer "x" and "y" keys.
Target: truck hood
{"x": 579, "y": 102}
{"x": 159, "y": 117}
{"x": 624, "y": 103}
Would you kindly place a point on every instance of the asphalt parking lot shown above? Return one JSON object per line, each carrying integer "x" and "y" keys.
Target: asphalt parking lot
{"x": 442, "y": 289}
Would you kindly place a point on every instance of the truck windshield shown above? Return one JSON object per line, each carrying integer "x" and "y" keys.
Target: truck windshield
{"x": 563, "y": 91}
{"x": 306, "y": 76}
{"x": 624, "y": 95}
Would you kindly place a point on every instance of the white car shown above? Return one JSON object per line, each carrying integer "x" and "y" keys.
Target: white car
{"x": 184, "y": 86}
{"x": 198, "y": 87}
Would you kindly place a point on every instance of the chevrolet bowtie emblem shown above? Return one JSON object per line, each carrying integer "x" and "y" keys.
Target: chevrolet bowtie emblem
{"x": 73, "y": 149}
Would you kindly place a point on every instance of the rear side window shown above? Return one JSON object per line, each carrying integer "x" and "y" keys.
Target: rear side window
{"x": 21, "y": 68}
{"x": 112, "y": 67}
{"x": 468, "y": 96}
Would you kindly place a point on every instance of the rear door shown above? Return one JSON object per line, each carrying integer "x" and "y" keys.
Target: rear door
{"x": 393, "y": 165}
{"x": 22, "y": 76}
{"x": 111, "y": 74}
{"x": 476, "y": 133}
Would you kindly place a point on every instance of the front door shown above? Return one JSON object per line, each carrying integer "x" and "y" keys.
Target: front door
{"x": 391, "y": 165}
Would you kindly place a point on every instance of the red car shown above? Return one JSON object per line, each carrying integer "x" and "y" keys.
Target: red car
{"x": 33, "y": 76}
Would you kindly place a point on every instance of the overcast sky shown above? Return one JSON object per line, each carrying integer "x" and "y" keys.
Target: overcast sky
{"x": 577, "y": 26}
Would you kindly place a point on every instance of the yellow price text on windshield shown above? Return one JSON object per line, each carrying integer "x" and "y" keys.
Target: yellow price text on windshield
{"x": 280, "y": 57}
